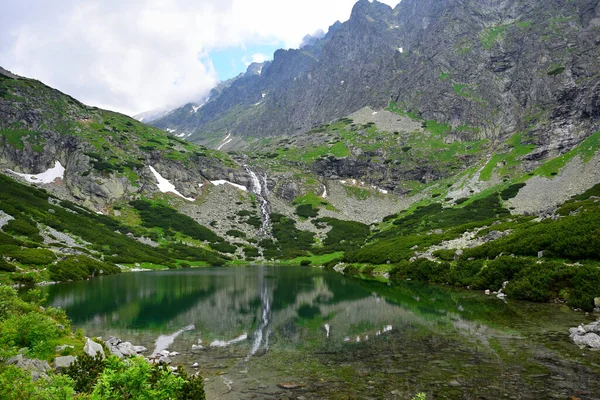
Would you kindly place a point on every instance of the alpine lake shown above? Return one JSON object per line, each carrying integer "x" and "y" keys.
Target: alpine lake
{"x": 276, "y": 332}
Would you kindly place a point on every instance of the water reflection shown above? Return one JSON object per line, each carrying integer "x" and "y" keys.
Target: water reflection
{"x": 245, "y": 315}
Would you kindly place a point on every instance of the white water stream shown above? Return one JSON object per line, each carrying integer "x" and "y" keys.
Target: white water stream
{"x": 258, "y": 186}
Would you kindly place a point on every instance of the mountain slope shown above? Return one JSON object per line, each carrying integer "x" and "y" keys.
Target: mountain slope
{"x": 499, "y": 67}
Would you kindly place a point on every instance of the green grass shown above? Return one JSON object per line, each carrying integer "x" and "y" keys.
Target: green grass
{"x": 586, "y": 150}
{"x": 358, "y": 193}
{"x": 490, "y": 35}
{"x": 315, "y": 260}
{"x": 313, "y": 200}
{"x": 510, "y": 156}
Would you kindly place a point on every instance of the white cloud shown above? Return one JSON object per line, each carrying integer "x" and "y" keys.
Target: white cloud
{"x": 137, "y": 55}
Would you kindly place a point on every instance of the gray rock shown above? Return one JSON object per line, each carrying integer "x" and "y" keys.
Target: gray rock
{"x": 197, "y": 347}
{"x": 597, "y": 302}
{"x": 594, "y": 327}
{"x": 61, "y": 363}
{"x": 589, "y": 339}
{"x": 38, "y": 368}
{"x": 92, "y": 348}
{"x": 164, "y": 359}
{"x": 127, "y": 349}
{"x": 140, "y": 349}
{"x": 119, "y": 348}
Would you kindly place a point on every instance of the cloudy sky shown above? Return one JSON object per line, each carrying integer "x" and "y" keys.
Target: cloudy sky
{"x": 137, "y": 55}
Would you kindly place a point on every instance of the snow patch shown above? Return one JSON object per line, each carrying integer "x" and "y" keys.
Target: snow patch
{"x": 264, "y": 95}
{"x": 224, "y": 182}
{"x": 324, "y": 195}
{"x": 327, "y": 329}
{"x": 171, "y": 130}
{"x": 165, "y": 186}
{"x": 401, "y": 50}
{"x": 223, "y": 343}
{"x": 225, "y": 141}
{"x": 374, "y": 112}
{"x": 342, "y": 82}
{"x": 49, "y": 176}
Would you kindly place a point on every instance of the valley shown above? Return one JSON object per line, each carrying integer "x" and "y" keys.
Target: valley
{"x": 432, "y": 167}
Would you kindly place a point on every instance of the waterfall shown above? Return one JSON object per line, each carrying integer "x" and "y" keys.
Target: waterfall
{"x": 258, "y": 186}
{"x": 261, "y": 335}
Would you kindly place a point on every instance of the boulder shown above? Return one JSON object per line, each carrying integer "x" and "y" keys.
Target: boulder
{"x": 38, "y": 368}
{"x": 164, "y": 359}
{"x": 119, "y": 348}
{"x": 197, "y": 347}
{"x": 127, "y": 349}
{"x": 140, "y": 349}
{"x": 61, "y": 363}
{"x": 589, "y": 339}
{"x": 597, "y": 302}
{"x": 92, "y": 348}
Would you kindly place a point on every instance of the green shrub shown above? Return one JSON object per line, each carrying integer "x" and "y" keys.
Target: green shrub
{"x": 511, "y": 191}
{"x": 305, "y": 263}
{"x": 236, "y": 233}
{"x": 156, "y": 215}
{"x": 6, "y": 266}
{"x": 307, "y": 211}
{"x": 498, "y": 271}
{"x": 85, "y": 372}
{"x": 80, "y": 267}
{"x": 445, "y": 254}
{"x": 17, "y": 384}
{"x": 23, "y": 227}
{"x": 135, "y": 378}
{"x": 31, "y": 256}
{"x": 224, "y": 247}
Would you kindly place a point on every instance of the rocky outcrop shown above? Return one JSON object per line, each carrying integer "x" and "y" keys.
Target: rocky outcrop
{"x": 38, "y": 368}
{"x": 501, "y": 67}
{"x": 586, "y": 335}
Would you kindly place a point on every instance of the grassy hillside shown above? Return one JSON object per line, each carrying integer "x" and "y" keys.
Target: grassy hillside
{"x": 46, "y": 239}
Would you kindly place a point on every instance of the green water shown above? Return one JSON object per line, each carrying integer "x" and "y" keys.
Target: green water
{"x": 384, "y": 341}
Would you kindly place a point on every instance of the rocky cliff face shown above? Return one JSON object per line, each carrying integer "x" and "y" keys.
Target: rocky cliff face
{"x": 106, "y": 156}
{"x": 497, "y": 66}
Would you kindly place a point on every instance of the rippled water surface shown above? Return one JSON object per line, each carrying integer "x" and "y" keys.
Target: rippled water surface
{"x": 322, "y": 335}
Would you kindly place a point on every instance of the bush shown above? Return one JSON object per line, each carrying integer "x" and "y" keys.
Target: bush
{"x": 236, "y": 233}
{"x": 80, "y": 267}
{"x": 135, "y": 378}
{"x": 23, "y": 227}
{"x": 224, "y": 247}
{"x": 17, "y": 384}
{"x": 445, "y": 254}
{"x": 307, "y": 211}
{"x": 6, "y": 266}
{"x": 85, "y": 372}
{"x": 498, "y": 271}
{"x": 305, "y": 263}
{"x": 32, "y": 256}
{"x": 157, "y": 215}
